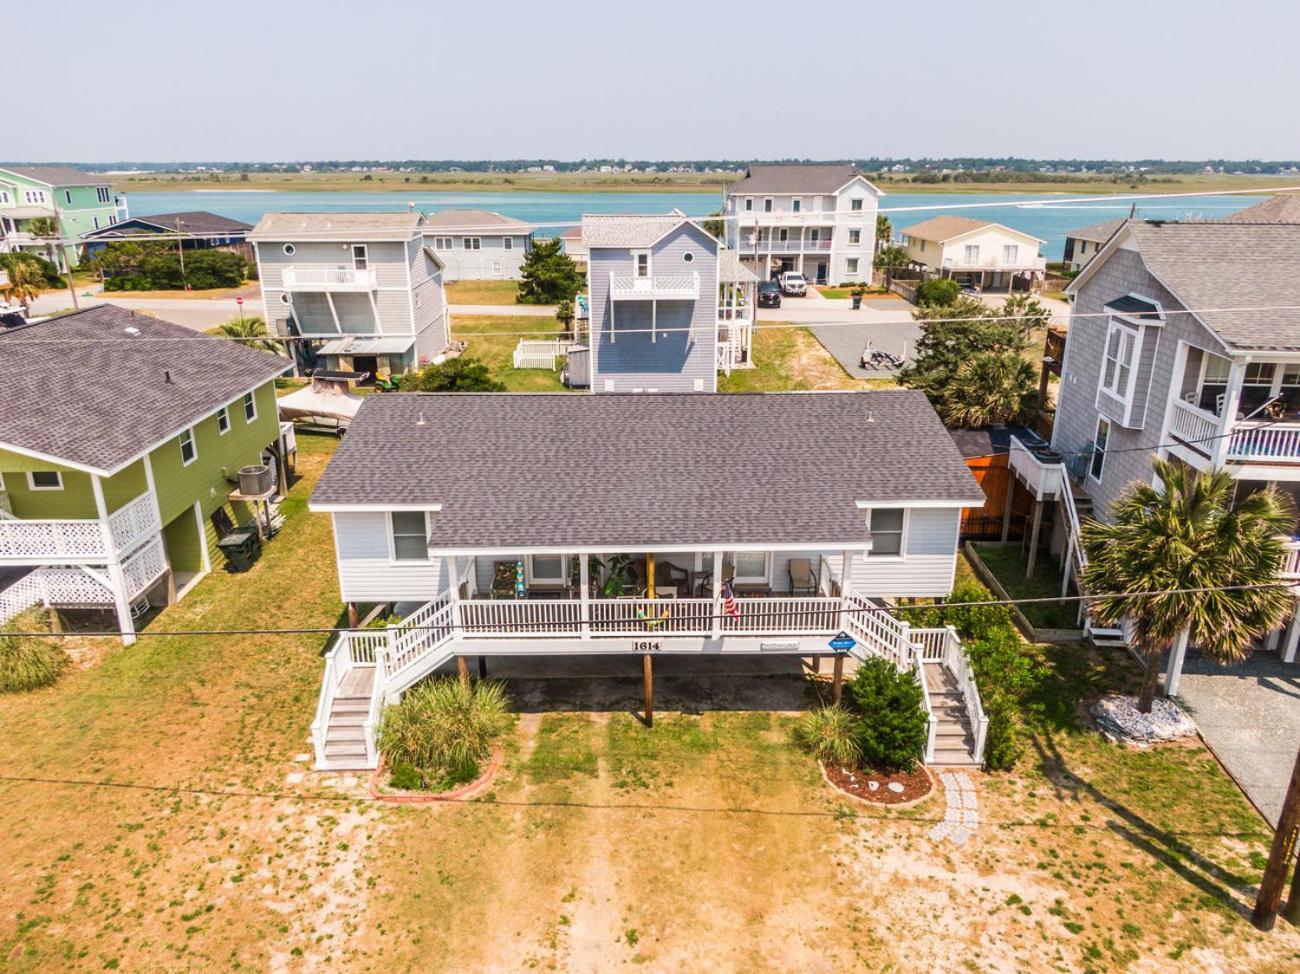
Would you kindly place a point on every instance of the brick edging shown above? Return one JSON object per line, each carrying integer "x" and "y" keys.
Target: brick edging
{"x": 463, "y": 793}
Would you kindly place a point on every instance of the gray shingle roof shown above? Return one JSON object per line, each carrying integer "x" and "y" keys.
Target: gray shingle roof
{"x": 81, "y": 389}
{"x": 278, "y": 227}
{"x": 1276, "y": 209}
{"x": 191, "y": 221}
{"x": 1096, "y": 232}
{"x": 58, "y": 175}
{"x": 618, "y": 230}
{"x": 485, "y": 220}
{"x": 1231, "y": 266}
{"x": 635, "y": 470}
{"x": 799, "y": 178}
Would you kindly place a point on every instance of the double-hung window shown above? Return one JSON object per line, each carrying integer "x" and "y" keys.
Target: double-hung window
{"x": 1117, "y": 365}
{"x": 855, "y": 204}
{"x": 360, "y": 257}
{"x": 507, "y": 243}
{"x": 1010, "y": 253}
{"x": 189, "y": 448}
{"x": 101, "y": 194}
{"x": 851, "y": 265}
{"x": 749, "y": 567}
{"x": 410, "y": 536}
{"x": 971, "y": 254}
{"x": 471, "y": 243}
{"x": 795, "y": 204}
{"x": 888, "y": 526}
{"x": 223, "y": 420}
{"x": 643, "y": 264}
{"x": 1099, "y": 449}
{"x": 547, "y": 569}
{"x": 749, "y": 204}
{"x": 855, "y": 236}
{"x": 767, "y": 205}
{"x": 250, "y": 407}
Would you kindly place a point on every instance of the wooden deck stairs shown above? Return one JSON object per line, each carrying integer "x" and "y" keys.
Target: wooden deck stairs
{"x": 345, "y": 739}
{"x": 954, "y": 740}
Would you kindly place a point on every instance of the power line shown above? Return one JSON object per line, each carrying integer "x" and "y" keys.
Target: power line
{"x": 651, "y": 629}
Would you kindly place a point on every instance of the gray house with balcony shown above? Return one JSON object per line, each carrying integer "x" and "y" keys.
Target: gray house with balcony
{"x": 669, "y": 305}
{"x": 1184, "y": 342}
{"x": 352, "y": 291}
{"x": 478, "y": 244}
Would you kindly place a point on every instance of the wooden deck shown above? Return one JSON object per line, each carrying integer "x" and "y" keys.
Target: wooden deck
{"x": 955, "y": 737}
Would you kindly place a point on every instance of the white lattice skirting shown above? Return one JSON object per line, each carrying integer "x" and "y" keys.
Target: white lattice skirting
{"x": 53, "y": 586}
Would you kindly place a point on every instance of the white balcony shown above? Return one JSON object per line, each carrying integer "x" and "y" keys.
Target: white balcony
{"x": 297, "y": 277}
{"x": 797, "y": 217}
{"x": 60, "y": 541}
{"x": 994, "y": 262}
{"x": 1252, "y": 442}
{"x": 659, "y": 287}
{"x": 820, "y": 245}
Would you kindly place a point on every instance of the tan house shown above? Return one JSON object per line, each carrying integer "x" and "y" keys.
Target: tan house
{"x": 975, "y": 251}
{"x": 571, "y": 240}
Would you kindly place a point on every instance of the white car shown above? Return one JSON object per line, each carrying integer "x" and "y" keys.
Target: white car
{"x": 794, "y": 283}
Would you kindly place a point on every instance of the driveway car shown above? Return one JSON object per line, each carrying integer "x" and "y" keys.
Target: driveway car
{"x": 769, "y": 295}
{"x": 794, "y": 284}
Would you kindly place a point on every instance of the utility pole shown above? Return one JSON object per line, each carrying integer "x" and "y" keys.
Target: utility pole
{"x": 67, "y": 264}
{"x": 1279, "y": 858}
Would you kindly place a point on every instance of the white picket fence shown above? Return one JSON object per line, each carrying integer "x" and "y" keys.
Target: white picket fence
{"x": 536, "y": 353}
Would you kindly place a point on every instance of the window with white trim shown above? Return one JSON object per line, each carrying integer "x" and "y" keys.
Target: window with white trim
{"x": 34, "y": 196}
{"x": 250, "y": 407}
{"x": 971, "y": 253}
{"x": 189, "y": 448}
{"x": 855, "y": 204}
{"x": 1010, "y": 253}
{"x": 102, "y": 194}
{"x": 750, "y": 567}
{"x": 851, "y": 265}
{"x": 1117, "y": 364}
{"x": 547, "y": 569}
{"x": 4, "y": 196}
{"x": 1098, "y": 460}
{"x": 796, "y": 204}
{"x": 443, "y": 243}
{"x": 507, "y": 243}
{"x": 360, "y": 257}
{"x": 289, "y": 250}
{"x": 888, "y": 526}
{"x": 749, "y": 204}
{"x": 855, "y": 235}
{"x": 44, "y": 480}
{"x": 767, "y": 205}
{"x": 410, "y": 531}
{"x": 67, "y": 197}
{"x": 223, "y": 420}
{"x": 642, "y": 264}
{"x": 471, "y": 243}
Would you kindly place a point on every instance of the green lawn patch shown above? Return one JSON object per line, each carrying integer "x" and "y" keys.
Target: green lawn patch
{"x": 1008, "y": 565}
{"x": 482, "y": 292}
{"x": 492, "y": 339}
{"x": 791, "y": 358}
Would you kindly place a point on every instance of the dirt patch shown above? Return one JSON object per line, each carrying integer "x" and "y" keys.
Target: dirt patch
{"x": 894, "y": 788}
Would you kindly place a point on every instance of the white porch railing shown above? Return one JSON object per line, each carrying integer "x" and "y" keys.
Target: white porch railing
{"x": 134, "y": 521}
{"x": 1291, "y": 559}
{"x": 52, "y": 585}
{"x": 1193, "y": 425}
{"x": 46, "y": 541}
{"x": 1044, "y": 480}
{"x": 1270, "y": 443}
{"x": 533, "y": 353}
{"x": 661, "y": 287}
{"x": 931, "y": 718}
{"x": 297, "y": 277}
{"x": 786, "y": 616}
{"x": 792, "y": 246}
{"x": 144, "y": 566}
{"x": 994, "y": 262}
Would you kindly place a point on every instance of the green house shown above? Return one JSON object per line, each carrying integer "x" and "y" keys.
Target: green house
{"x": 121, "y": 437}
{"x": 80, "y": 202}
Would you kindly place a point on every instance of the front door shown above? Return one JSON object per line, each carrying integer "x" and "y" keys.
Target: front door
{"x": 821, "y": 272}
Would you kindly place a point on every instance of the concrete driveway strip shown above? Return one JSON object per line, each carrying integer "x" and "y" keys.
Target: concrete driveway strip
{"x": 1249, "y": 715}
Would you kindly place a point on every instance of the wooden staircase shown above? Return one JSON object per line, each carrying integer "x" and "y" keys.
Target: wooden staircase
{"x": 345, "y": 737}
{"x": 954, "y": 740}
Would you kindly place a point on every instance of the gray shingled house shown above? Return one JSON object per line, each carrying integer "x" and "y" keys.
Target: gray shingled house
{"x": 621, "y": 524}
{"x": 1184, "y": 342}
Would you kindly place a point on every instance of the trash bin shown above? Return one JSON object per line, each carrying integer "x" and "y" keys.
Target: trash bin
{"x": 857, "y": 302}
{"x": 241, "y": 548}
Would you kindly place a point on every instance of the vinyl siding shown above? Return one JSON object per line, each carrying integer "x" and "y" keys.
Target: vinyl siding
{"x": 490, "y": 261}
{"x": 1076, "y": 414}
{"x": 182, "y": 539}
{"x": 676, "y": 360}
{"x": 76, "y": 500}
{"x": 366, "y": 573}
{"x": 126, "y": 485}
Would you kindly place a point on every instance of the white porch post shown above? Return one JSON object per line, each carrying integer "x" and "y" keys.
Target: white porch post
{"x": 453, "y": 594}
{"x": 115, "y": 573}
{"x": 1231, "y": 402}
{"x": 612, "y": 305}
{"x": 716, "y": 615}
{"x": 1292, "y": 638}
{"x": 584, "y": 583}
{"x": 846, "y": 572}
{"x": 654, "y": 319}
{"x": 1174, "y": 672}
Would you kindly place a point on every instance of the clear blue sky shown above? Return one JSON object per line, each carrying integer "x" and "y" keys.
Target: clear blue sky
{"x": 288, "y": 79}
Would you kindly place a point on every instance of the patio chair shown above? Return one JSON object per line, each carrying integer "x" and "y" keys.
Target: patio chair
{"x": 803, "y": 580}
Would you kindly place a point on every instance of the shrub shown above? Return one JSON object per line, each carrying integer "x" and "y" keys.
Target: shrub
{"x": 999, "y": 659}
{"x": 29, "y": 662}
{"x": 1002, "y": 736}
{"x": 831, "y": 735}
{"x": 444, "y": 729}
{"x": 970, "y": 621}
{"x": 938, "y": 290}
{"x": 893, "y": 728}
{"x": 463, "y": 374}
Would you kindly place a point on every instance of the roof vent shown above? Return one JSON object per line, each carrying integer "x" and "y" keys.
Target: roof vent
{"x": 420, "y": 421}
{"x": 871, "y": 415}
{"x": 132, "y": 330}
{"x": 167, "y": 376}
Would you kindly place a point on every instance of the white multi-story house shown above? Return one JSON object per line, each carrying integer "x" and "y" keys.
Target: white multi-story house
{"x": 1166, "y": 357}
{"x": 553, "y": 525}
{"x": 478, "y": 244}
{"x": 975, "y": 251}
{"x": 353, "y": 291}
{"x": 816, "y": 219}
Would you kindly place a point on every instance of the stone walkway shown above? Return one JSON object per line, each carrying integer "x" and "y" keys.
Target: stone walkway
{"x": 1249, "y": 715}
{"x": 962, "y": 817}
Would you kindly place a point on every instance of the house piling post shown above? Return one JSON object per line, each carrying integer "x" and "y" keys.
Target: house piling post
{"x": 462, "y": 670}
{"x": 354, "y": 616}
{"x": 1279, "y": 858}
{"x": 837, "y": 683}
{"x": 1032, "y": 557}
{"x": 648, "y": 671}
{"x": 1006, "y": 505}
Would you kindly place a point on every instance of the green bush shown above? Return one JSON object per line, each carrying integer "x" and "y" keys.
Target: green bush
{"x": 894, "y": 727}
{"x": 462, "y": 374}
{"x": 938, "y": 290}
{"x": 831, "y": 735}
{"x": 405, "y": 778}
{"x": 444, "y": 729}
{"x": 29, "y": 662}
{"x": 970, "y": 621}
{"x": 1002, "y": 745}
{"x": 1000, "y": 659}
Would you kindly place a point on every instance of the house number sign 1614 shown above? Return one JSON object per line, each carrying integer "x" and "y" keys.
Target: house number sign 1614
{"x": 646, "y": 646}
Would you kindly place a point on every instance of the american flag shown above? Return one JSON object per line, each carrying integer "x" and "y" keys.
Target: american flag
{"x": 730, "y": 607}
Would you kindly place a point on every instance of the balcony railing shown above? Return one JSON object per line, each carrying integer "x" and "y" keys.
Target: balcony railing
{"x": 791, "y": 246}
{"x": 48, "y": 541}
{"x": 662, "y": 287}
{"x": 297, "y": 277}
{"x": 1194, "y": 426}
{"x": 1265, "y": 442}
{"x": 995, "y": 262}
{"x": 1291, "y": 560}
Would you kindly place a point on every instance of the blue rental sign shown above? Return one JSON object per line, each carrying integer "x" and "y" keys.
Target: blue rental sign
{"x": 842, "y": 642}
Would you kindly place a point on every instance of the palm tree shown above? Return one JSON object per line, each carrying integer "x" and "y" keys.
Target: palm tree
{"x": 47, "y": 227}
{"x": 27, "y": 279}
{"x": 989, "y": 389}
{"x": 250, "y": 330}
{"x": 1189, "y": 534}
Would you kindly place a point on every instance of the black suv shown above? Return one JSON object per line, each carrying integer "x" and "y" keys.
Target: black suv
{"x": 769, "y": 295}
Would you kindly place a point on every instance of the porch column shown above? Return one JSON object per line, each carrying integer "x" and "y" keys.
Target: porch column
{"x": 1174, "y": 672}
{"x": 648, "y": 672}
{"x": 452, "y": 580}
{"x": 584, "y": 594}
{"x": 846, "y": 573}
{"x": 1231, "y": 403}
{"x": 1032, "y": 557}
{"x": 115, "y": 574}
{"x": 1007, "y": 501}
{"x": 1292, "y": 638}
{"x": 716, "y": 614}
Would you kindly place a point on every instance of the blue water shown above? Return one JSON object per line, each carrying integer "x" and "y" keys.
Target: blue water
{"x": 1042, "y": 218}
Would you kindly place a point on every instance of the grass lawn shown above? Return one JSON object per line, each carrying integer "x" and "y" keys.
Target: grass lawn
{"x": 1008, "y": 566}
{"x": 486, "y": 344}
{"x": 482, "y": 292}
{"x": 153, "y": 817}
{"x": 249, "y": 289}
{"x": 787, "y": 359}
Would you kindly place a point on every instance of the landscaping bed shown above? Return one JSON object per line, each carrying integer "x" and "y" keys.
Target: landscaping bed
{"x": 891, "y": 788}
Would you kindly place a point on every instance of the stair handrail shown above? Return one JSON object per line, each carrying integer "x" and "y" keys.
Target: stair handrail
{"x": 370, "y": 727}
{"x": 958, "y": 663}
{"x": 931, "y": 719}
{"x": 328, "y": 687}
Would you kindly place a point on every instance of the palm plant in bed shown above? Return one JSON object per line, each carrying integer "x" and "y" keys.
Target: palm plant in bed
{"x": 27, "y": 661}
{"x": 442, "y": 731}
{"x": 1188, "y": 534}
